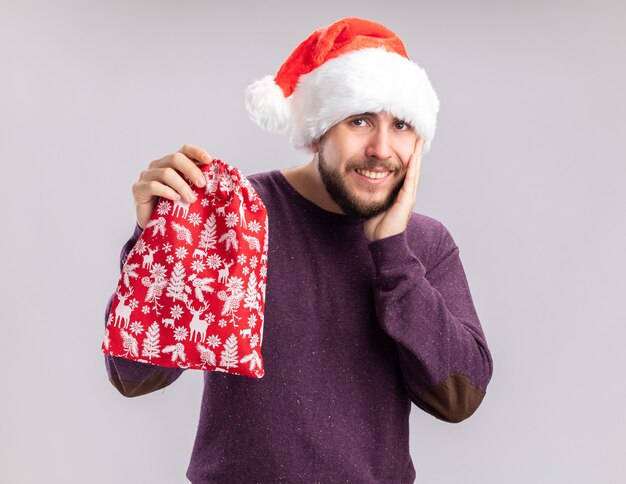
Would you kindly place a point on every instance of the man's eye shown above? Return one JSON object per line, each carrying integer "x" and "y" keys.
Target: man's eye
{"x": 401, "y": 125}
{"x": 358, "y": 121}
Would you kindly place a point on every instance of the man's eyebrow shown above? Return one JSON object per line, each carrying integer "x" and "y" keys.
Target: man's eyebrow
{"x": 372, "y": 114}
{"x": 362, "y": 115}
{"x": 400, "y": 120}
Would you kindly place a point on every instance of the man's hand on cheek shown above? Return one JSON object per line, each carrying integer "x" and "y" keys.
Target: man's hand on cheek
{"x": 396, "y": 218}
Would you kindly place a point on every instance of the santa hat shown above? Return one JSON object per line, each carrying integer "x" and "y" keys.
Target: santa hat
{"x": 191, "y": 293}
{"x": 350, "y": 67}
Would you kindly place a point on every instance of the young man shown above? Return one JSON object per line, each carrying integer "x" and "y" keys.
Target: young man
{"x": 367, "y": 304}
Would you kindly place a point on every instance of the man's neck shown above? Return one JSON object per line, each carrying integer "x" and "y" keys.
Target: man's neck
{"x": 306, "y": 180}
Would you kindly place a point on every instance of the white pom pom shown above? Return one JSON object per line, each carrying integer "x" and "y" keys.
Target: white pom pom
{"x": 267, "y": 106}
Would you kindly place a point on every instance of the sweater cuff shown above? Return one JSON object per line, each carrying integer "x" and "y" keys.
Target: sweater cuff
{"x": 393, "y": 251}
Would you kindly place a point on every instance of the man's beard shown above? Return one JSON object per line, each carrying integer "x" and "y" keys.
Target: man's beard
{"x": 349, "y": 203}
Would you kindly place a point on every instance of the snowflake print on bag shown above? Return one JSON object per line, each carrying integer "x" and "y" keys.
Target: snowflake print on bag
{"x": 136, "y": 328}
{"x": 197, "y": 266}
{"x": 191, "y": 292}
{"x": 195, "y": 219}
{"x": 140, "y": 247}
{"x": 214, "y": 261}
{"x": 180, "y": 333}
{"x": 213, "y": 341}
{"x": 176, "y": 312}
{"x": 254, "y": 226}
{"x": 164, "y": 207}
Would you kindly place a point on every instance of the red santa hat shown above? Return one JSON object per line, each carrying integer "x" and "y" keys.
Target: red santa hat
{"x": 350, "y": 67}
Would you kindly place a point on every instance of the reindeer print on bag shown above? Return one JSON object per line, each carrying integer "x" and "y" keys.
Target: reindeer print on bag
{"x": 122, "y": 311}
{"x": 191, "y": 293}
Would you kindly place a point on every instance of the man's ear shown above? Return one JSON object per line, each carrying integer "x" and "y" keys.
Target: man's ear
{"x": 315, "y": 146}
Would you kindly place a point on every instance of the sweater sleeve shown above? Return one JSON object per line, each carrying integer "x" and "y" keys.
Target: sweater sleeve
{"x": 133, "y": 378}
{"x": 443, "y": 354}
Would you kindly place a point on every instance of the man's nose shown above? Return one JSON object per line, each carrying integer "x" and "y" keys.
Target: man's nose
{"x": 379, "y": 144}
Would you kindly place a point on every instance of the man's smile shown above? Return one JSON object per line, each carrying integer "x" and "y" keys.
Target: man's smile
{"x": 373, "y": 174}
{"x": 372, "y": 178}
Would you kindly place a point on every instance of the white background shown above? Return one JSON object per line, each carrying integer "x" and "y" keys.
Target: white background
{"x": 526, "y": 170}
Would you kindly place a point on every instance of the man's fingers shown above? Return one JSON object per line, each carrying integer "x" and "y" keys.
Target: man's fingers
{"x": 418, "y": 164}
{"x": 419, "y": 145}
{"x": 159, "y": 182}
{"x": 146, "y": 198}
{"x": 196, "y": 156}
{"x": 415, "y": 166}
{"x": 158, "y": 189}
{"x": 181, "y": 162}
{"x": 188, "y": 168}
{"x": 195, "y": 153}
{"x": 169, "y": 177}
{"x": 414, "y": 160}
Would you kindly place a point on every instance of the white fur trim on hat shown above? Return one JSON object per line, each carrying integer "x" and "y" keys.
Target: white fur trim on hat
{"x": 366, "y": 80}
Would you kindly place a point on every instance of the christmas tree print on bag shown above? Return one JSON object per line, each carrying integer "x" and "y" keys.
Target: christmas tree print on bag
{"x": 191, "y": 293}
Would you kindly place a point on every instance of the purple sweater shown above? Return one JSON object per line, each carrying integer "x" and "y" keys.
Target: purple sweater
{"x": 353, "y": 333}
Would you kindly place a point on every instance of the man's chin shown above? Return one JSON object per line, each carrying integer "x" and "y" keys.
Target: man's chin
{"x": 363, "y": 210}
{"x": 367, "y": 209}
{"x": 370, "y": 212}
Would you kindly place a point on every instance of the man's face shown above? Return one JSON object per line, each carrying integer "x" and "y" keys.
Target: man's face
{"x": 362, "y": 162}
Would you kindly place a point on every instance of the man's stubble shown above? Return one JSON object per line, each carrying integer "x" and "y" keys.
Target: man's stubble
{"x": 350, "y": 204}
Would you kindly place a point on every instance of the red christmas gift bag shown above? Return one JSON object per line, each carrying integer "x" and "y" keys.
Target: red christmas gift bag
{"x": 191, "y": 293}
